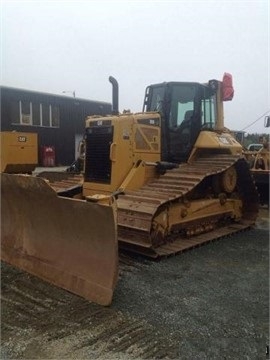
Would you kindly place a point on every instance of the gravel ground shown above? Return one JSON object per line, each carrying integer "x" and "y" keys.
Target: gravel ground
{"x": 208, "y": 303}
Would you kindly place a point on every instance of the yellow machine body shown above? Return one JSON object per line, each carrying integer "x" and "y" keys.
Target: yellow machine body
{"x": 154, "y": 206}
{"x": 19, "y": 152}
{"x": 132, "y": 142}
{"x": 136, "y": 148}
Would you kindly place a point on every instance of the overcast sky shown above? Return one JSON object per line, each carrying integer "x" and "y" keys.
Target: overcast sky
{"x": 55, "y": 46}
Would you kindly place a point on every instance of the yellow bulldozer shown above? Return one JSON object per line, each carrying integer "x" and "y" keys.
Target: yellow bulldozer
{"x": 155, "y": 183}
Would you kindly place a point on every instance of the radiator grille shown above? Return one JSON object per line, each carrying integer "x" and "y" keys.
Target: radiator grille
{"x": 97, "y": 157}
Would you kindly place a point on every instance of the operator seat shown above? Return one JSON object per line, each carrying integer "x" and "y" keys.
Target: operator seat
{"x": 188, "y": 115}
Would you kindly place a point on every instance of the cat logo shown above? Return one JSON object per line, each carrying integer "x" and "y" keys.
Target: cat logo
{"x": 22, "y": 138}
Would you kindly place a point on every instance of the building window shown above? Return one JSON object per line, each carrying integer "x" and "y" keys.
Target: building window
{"x": 35, "y": 114}
{"x": 50, "y": 115}
{"x": 45, "y": 115}
{"x": 55, "y": 116}
{"x": 25, "y": 113}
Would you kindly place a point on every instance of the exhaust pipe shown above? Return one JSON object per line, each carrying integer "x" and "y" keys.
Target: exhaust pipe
{"x": 115, "y": 95}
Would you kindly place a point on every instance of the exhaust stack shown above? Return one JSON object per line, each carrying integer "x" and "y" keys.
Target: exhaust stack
{"x": 115, "y": 95}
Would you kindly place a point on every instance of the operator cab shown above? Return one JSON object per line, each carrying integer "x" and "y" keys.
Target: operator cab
{"x": 186, "y": 109}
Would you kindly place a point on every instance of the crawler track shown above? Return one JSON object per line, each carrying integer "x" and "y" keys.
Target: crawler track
{"x": 137, "y": 209}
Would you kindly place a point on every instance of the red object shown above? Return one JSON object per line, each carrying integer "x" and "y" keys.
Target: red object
{"x": 227, "y": 87}
{"x": 48, "y": 156}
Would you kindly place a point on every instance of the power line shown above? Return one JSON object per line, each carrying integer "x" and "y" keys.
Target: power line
{"x": 256, "y": 120}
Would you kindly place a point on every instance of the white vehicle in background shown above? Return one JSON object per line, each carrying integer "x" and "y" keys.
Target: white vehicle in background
{"x": 254, "y": 147}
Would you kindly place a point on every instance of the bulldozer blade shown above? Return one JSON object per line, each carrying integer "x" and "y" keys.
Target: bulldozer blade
{"x": 70, "y": 243}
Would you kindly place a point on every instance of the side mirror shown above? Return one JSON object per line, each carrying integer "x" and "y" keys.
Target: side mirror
{"x": 267, "y": 121}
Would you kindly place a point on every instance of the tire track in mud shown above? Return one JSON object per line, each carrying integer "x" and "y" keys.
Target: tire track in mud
{"x": 40, "y": 320}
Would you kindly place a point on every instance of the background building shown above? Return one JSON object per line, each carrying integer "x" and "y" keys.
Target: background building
{"x": 58, "y": 120}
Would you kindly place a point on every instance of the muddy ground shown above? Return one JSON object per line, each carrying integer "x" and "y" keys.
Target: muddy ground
{"x": 208, "y": 303}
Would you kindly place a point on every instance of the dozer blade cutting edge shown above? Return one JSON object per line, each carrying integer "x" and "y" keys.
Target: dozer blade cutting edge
{"x": 70, "y": 243}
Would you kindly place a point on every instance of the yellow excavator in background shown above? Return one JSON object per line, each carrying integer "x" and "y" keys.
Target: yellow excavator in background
{"x": 178, "y": 176}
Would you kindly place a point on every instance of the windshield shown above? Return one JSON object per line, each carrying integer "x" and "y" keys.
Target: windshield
{"x": 182, "y": 104}
{"x": 182, "y": 100}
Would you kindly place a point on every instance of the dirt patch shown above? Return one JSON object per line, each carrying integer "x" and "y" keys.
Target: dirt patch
{"x": 211, "y": 302}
